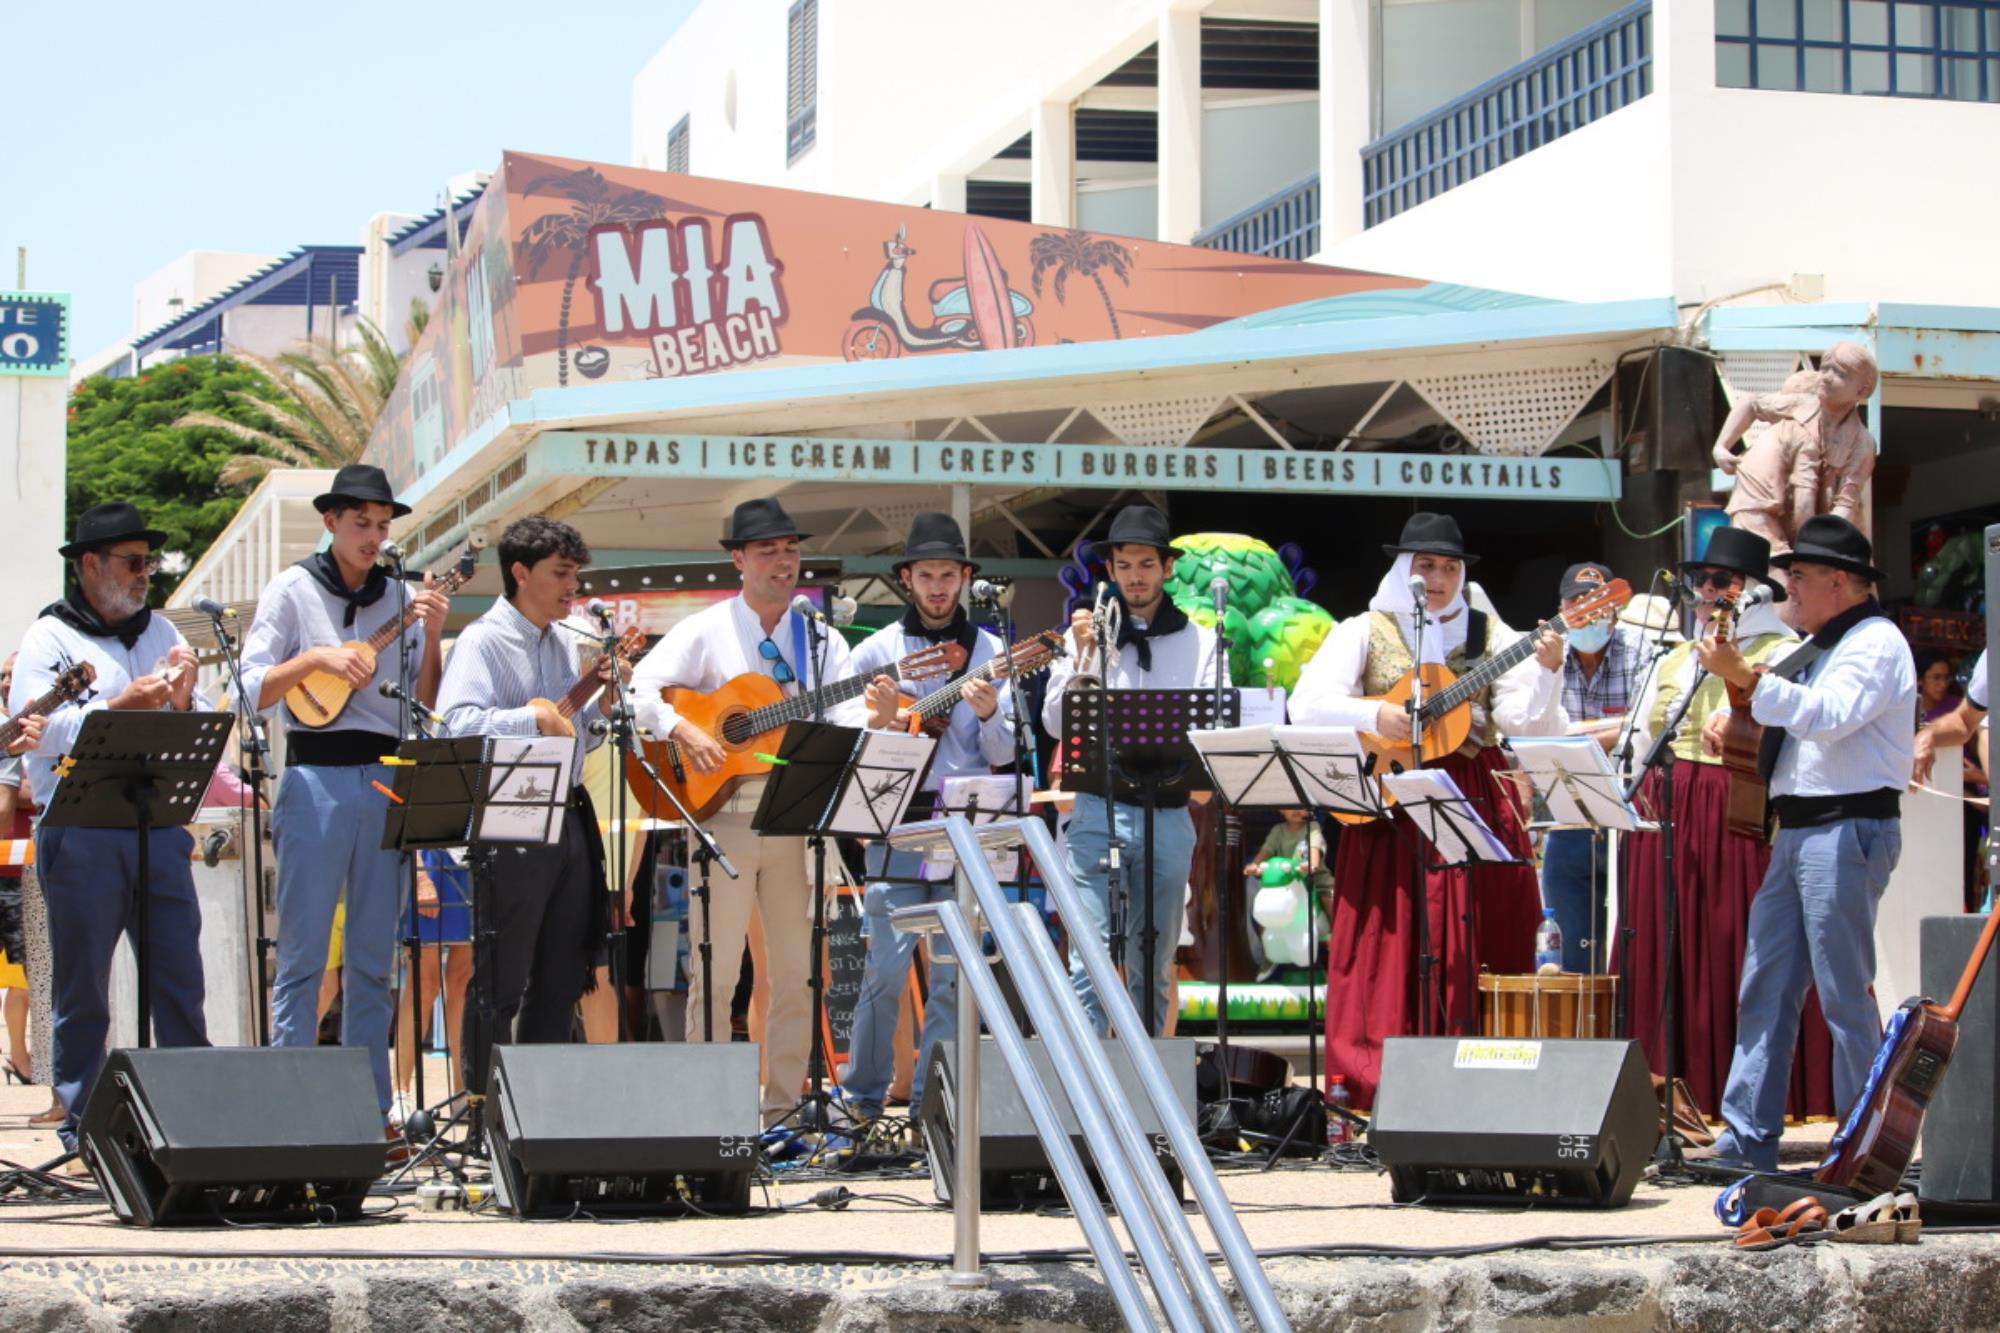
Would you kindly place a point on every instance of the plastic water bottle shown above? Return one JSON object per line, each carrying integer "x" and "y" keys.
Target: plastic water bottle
{"x": 1338, "y": 1129}
{"x": 1548, "y": 944}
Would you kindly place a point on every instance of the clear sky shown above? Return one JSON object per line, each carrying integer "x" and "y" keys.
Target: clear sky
{"x": 138, "y": 132}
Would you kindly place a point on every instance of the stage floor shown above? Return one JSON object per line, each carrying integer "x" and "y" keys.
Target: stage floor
{"x": 1657, "y": 1260}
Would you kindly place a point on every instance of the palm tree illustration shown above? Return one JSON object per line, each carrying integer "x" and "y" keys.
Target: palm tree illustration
{"x": 596, "y": 204}
{"x": 1086, "y": 256}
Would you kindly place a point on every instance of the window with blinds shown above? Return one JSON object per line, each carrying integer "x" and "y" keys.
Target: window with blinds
{"x": 677, "y": 147}
{"x": 801, "y": 76}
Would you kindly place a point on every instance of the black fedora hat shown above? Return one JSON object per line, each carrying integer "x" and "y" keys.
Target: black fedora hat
{"x": 1740, "y": 552}
{"x": 364, "y": 482}
{"x": 933, "y": 536}
{"x": 1139, "y": 525}
{"x": 1432, "y": 534}
{"x": 107, "y": 525}
{"x": 1829, "y": 539}
{"x": 759, "y": 520}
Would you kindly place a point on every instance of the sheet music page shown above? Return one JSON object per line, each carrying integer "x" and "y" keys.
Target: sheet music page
{"x": 1244, "y": 765}
{"x": 1417, "y": 786}
{"x": 510, "y": 750}
{"x": 1261, "y": 707}
{"x": 1330, "y": 762}
{"x": 875, "y": 797}
{"x": 1591, "y": 795}
{"x": 989, "y": 797}
{"x": 519, "y": 823}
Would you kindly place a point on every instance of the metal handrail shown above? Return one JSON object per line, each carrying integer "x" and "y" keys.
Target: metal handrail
{"x": 1283, "y": 225}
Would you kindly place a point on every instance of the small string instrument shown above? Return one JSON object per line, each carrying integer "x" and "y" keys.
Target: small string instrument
{"x": 1740, "y": 738}
{"x": 320, "y": 699}
{"x": 73, "y": 682}
{"x": 554, "y": 716}
{"x": 931, "y": 715}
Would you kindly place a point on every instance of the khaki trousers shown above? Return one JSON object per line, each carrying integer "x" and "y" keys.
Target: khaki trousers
{"x": 774, "y": 870}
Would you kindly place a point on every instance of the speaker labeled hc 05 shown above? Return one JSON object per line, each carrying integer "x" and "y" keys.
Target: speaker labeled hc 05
{"x": 234, "y": 1134}
{"x": 1484, "y": 1119}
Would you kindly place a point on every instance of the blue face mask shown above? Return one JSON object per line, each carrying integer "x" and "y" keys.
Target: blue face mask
{"x": 1592, "y": 637}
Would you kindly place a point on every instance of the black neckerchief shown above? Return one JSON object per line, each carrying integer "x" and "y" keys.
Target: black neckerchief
{"x": 325, "y": 571}
{"x": 1798, "y": 663}
{"x": 959, "y": 629}
{"x": 76, "y": 611}
{"x": 1169, "y": 619}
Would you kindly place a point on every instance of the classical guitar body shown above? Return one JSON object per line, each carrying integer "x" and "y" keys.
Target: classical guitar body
{"x": 1441, "y": 737}
{"x": 705, "y": 793}
{"x": 322, "y": 696}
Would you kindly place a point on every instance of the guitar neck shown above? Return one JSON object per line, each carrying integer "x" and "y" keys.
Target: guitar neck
{"x": 945, "y": 698}
{"x": 802, "y": 706}
{"x": 1488, "y": 669}
{"x": 389, "y": 633}
{"x": 41, "y": 706}
{"x": 1972, "y": 966}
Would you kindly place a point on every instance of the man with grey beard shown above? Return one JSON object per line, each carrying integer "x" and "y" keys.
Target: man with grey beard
{"x": 89, "y": 875}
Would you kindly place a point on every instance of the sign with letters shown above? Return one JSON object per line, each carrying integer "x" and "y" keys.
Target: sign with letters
{"x": 1074, "y": 466}
{"x": 34, "y": 333}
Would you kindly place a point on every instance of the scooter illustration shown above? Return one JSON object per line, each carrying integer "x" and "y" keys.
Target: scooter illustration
{"x": 966, "y": 311}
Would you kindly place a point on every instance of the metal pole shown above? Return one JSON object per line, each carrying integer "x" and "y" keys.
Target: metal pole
{"x": 966, "y": 1273}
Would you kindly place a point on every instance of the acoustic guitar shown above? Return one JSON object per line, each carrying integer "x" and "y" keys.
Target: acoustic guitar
{"x": 1740, "y": 738}
{"x": 1880, "y": 1134}
{"x": 743, "y": 716}
{"x": 1448, "y": 697}
{"x": 931, "y": 714}
{"x": 554, "y": 715}
{"x": 320, "y": 699}
{"x": 73, "y": 682}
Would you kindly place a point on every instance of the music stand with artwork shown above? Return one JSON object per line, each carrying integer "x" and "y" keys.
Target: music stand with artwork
{"x": 843, "y": 782}
{"x": 140, "y": 771}
{"x": 1132, "y": 745}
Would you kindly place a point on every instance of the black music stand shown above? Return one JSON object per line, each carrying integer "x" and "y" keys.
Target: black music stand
{"x": 1134, "y": 742}
{"x": 140, "y": 771}
{"x": 845, "y": 782}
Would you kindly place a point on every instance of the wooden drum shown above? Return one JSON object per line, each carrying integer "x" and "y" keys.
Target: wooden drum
{"x": 1566, "y": 1005}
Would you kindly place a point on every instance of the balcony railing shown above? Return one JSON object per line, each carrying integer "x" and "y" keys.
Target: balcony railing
{"x": 1284, "y": 226}
{"x": 1584, "y": 78}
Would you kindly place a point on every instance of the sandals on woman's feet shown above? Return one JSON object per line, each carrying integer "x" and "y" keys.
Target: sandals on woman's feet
{"x": 1767, "y": 1228}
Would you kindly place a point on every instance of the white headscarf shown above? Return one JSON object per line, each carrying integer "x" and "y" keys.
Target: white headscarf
{"x": 1444, "y": 632}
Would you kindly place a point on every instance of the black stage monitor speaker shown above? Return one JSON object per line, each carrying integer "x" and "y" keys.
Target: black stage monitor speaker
{"x": 238, "y": 1134}
{"x": 1961, "y": 1128}
{"x": 1488, "y": 1119}
{"x": 644, "y": 1127}
{"x": 1013, "y": 1169}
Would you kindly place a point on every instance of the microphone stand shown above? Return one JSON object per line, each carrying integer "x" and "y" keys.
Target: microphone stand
{"x": 1226, "y": 1124}
{"x": 1002, "y": 615}
{"x": 255, "y": 745}
{"x": 1421, "y": 885}
{"x": 706, "y": 851}
{"x": 815, "y": 1117}
{"x": 1621, "y": 758}
{"x": 618, "y": 724}
{"x": 409, "y": 728}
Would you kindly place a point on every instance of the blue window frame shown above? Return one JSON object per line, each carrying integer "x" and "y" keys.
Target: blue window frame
{"x": 801, "y": 78}
{"x": 1944, "y": 49}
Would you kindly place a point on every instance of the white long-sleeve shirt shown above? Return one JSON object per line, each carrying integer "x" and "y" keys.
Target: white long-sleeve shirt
{"x": 1526, "y": 701}
{"x": 968, "y": 746}
{"x": 719, "y": 643}
{"x": 1848, "y": 723}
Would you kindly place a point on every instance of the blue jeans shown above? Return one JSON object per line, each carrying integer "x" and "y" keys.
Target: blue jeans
{"x": 871, "y": 1048}
{"x": 1573, "y": 884}
{"x": 89, "y": 877}
{"x": 1173, "y": 852}
{"x": 326, "y": 829}
{"x": 1812, "y": 924}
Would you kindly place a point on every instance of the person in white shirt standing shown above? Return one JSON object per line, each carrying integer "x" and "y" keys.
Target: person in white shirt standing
{"x": 1837, "y": 751}
{"x": 933, "y": 570}
{"x": 756, "y": 631}
{"x": 1158, "y": 647}
{"x": 89, "y": 874}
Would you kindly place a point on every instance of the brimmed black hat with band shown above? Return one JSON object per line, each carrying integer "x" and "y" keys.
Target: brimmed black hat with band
{"x": 364, "y": 482}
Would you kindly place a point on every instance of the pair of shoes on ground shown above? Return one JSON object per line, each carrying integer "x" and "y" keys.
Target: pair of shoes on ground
{"x": 1886, "y": 1219}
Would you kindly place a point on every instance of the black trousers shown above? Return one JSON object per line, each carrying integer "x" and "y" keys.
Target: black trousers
{"x": 537, "y": 928}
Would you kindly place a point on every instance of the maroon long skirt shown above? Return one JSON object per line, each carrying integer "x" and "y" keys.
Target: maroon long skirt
{"x": 1483, "y": 917}
{"x": 1718, "y": 874}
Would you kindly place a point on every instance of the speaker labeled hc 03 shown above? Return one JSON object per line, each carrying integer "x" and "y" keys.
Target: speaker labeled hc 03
{"x": 237, "y": 1134}
{"x": 1486, "y": 1119}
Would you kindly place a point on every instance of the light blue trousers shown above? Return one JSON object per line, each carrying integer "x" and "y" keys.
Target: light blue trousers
{"x": 1173, "y": 852}
{"x": 1811, "y": 924}
{"x": 326, "y": 830}
{"x": 871, "y": 1050}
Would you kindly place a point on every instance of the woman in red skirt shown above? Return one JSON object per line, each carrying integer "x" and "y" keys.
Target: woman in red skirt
{"x": 1484, "y": 917}
{"x": 1716, "y": 872}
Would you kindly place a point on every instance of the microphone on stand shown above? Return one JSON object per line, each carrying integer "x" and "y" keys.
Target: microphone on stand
{"x": 389, "y": 689}
{"x": 803, "y": 605}
{"x": 208, "y": 606}
{"x": 388, "y": 553}
{"x": 985, "y": 591}
{"x": 1762, "y": 594}
{"x": 1218, "y": 588}
{"x": 598, "y": 609}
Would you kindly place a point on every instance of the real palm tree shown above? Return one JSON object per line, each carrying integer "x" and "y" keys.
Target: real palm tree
{"x": 328, "y": 404}
{"x": 595, "y": 204}
{"x": 1085, "y": 255}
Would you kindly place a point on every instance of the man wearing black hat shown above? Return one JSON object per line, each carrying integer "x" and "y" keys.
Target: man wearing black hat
{"x": 326, "y": 824}
{"x": 142, "y": 664}
{"x": 1837, "y": 752}
{"x": 754, "y": 632}
{"x": 933, "y": 570}
{"x": 1158, "y": 647}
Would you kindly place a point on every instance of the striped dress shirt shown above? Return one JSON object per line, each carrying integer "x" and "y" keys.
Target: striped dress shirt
{"x": 499, "y": 663}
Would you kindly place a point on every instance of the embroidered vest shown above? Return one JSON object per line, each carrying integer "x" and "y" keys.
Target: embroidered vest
{"x": 1709, "y": 697}
{"x": 1390, "y": 659}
